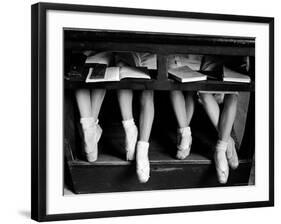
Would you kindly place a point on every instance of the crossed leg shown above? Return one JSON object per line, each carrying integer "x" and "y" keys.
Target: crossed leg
{"x": 225, "y": 153}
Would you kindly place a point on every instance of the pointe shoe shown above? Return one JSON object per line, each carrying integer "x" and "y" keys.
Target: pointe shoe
{"x": 92, "y": 156}
{"x": 231, "y": 154}
{"x": 131, "y": 135}
{"x": 184, "y": 142}
{"x": 92, "y": 133}
{"x": 142, "y": 161}
{"x": 221, "y": 162}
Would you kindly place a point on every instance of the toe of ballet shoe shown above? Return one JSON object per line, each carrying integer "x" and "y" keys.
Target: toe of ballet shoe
{"x": 143, "y": 177}
{"x": 233, "y": 163}
{"x": 184, "y": 148}
{"x": 92, "y": 157}
{"x": 222, "y": 177}
{"x": 183, "y": 153}
{"x": 130, "y": 156}
{"x": 143, "y": 172}
{"x": 221, "y": 166}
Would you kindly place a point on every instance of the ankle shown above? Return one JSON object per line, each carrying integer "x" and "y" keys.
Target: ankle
{"x": 185, "y": 131}
{"x": 221, "y": 145}
{"x": 142, "y": 149}
{"x": 88, "y": 122}
{"x": 127, "y": 124}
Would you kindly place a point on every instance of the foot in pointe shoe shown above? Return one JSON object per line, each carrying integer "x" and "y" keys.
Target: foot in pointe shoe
{"x": 221, "y": 162}
{"x": 92, "y": 133}
{"x": 92, "y": 155}
{"x": 231, "y": 154}
{"x": 131, "y": 135}
{"x": 184, "y": 142}
{"x": 142, "y": 161}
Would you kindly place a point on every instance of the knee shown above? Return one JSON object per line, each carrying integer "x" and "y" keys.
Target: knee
{"x": 205, "y": 97}
{"x": 147, "y": 98}
{"x": 124, "y": 93}
{"x": 189, "y": 95}
{"x": 100, "y": 92}
{"x": 175, "y": 94}
{"x": 82, "y": 94}
{"x": 231, "y": 99}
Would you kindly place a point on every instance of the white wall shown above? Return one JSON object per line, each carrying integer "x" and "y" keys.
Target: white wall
{"x": 15, "y": 110}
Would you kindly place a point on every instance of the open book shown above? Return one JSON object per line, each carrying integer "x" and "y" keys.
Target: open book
{"x": 102, "y": 73}
{"x": 186, "y": 74}
{"x": 233, "y": 76}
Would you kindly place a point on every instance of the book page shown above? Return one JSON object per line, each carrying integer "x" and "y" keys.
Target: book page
{"x": 112, "y": 74}
{"x": 96, "y": 73}
{"x": 99, "y": 58}
{"x": 133, "y": 72}
{"x": 233, "y": 76}
{"x": 186, "y": 74}
{"x": 100, "y": 73}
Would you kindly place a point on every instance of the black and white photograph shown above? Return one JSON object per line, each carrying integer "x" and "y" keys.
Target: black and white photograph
{"x": 142, "y": 111}
{"x": 151, "y": 111}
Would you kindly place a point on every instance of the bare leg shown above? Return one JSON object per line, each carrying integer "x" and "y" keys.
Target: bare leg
{"x": 91, "y": 135}
{"x": 83, "y": 99}
{"x": 125, "y": 98}
{"x": 179, "y": 106}
{"x": 211, "y": 107}
{"x": 224, "y": 122}
{"x": 225, "y": 152}
{"x": 189, "y": 104}
{"x": 227, "y": 116}
{"x": 225, "y": 126}
{"x": 146, "y": 114}
{"x": 97, "y": 96}
{"x": 146, "y": 121}
{"x": 183, "y": 106}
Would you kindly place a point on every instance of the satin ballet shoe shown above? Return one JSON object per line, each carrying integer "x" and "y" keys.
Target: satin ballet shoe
{"x": 221, "y": 162}
{"x": 231, "y": 154}
{"x": 184, "y": 143}
{"x": 131, "y": 135}
{"x": 142, "y": 162}
{"x": 92, "y": 133}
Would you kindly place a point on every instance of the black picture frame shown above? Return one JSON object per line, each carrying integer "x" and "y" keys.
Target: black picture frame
{"x": 39, "y": 122}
